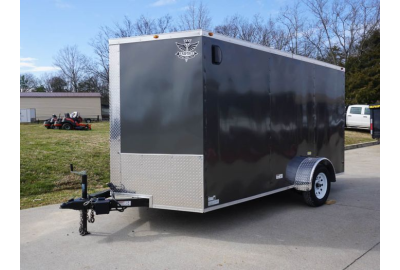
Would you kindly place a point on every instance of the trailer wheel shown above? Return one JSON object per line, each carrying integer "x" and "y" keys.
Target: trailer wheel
{"x": 67, "y": 126}
{"x": 321, "y": 186}
{"x": 88, "y": 120}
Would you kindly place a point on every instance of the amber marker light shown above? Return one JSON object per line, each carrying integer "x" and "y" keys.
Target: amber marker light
{"x": 210, "y": 34}
{"x": 155, "y": 36}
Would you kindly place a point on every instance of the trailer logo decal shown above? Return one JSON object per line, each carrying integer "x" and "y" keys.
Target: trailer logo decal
{"x": 187, "y": 49}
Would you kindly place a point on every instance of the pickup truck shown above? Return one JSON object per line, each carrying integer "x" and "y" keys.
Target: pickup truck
{"x": 358, "y": 116}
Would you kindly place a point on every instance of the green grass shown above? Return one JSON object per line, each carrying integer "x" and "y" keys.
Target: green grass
{"x": 357, "y": 136}
{"x": 46, "y": 154}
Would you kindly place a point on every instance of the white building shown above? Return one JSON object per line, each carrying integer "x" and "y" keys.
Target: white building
{"x": 47, "y": 104}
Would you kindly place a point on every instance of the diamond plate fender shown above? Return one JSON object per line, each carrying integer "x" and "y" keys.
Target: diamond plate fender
{"x": 300, "y": 171}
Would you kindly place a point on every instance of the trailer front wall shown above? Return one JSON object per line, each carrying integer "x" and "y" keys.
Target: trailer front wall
{"x": 161, "y": 99}
{"x": 157, "y": 123}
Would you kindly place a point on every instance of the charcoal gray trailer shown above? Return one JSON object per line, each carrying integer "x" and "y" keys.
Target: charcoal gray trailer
{"x": 200, "y": 121}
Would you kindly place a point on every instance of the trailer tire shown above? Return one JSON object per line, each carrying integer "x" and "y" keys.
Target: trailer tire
{"x": 88, "y": 120}
{"x": 321, "y": 186}
{"x": 67, "y": 126}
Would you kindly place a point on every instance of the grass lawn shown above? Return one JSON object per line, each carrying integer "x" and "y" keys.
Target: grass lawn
{"x": 357, "y": 136}
{"x": 46, "y": 154}
{"x": 45, "y": 157}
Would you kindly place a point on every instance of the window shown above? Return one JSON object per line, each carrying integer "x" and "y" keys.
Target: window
{"x": 355, "y": 110}
{"x": 366, "y": 111}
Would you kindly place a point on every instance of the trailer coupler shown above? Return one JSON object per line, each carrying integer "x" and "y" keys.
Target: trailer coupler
{"x": 100, "y": 203}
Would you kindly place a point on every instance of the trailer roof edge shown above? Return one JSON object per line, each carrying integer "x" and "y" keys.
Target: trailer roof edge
{"x": 200, "y": 32}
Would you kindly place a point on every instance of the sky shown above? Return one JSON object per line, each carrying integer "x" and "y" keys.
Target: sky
{"x": 46, "y": 26}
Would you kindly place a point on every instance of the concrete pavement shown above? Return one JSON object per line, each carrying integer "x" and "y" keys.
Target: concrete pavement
{"x": 274, "y": 232}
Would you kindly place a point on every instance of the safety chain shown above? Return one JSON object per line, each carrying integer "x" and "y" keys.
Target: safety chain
{"x": 91, "y": 219}
{"x": 90, "y": 206}
{"x": 81, "y": 230}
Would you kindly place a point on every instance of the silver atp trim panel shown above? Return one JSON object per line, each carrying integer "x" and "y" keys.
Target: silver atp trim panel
{"x": 175, "y": 182}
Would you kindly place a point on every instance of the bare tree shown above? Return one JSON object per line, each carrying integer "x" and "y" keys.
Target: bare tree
{"x": 329, "y": 33}
{"x": 272, "y": 35}
{"x": 165, "y": 24}
{"x": 314, "y": 38}
{"x": 58, "y": 84}
{"x": 28, "y": 82}
{"x": 142, "y": 26}
{"x": 370, "y": 19}
{"x": 341, "y": 25}
{"x": 229, "y": 27}
{"x": 45, "y": 80}
{"x": 255, "y": 31}
{"x": 125, "y": 29}
{"x": 145, "y": 26}
{"x": 73, "y": 65}
{"x": 54, "y": 82}
{"x": 247, "y": 29}
{"x": 264, "y": 31}
{"x": 290, "y": 17}
{"x": 99, "y": 43}
{"x": 237, "y": 26}
{"x": 196, "y": 16}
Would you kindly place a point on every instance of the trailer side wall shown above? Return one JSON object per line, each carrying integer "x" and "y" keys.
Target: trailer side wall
{"x": 261, "y": 111}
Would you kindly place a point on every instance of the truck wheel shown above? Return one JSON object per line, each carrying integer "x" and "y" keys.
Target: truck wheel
{"x": 321, "y": 186}
{"x": 67, "y": 126}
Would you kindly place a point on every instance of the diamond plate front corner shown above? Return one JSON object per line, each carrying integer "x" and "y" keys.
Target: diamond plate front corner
{"x": 174, "y": 181}
{"x": 115, "y": 115}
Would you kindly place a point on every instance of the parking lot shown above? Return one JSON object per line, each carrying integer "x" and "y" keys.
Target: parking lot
{"x": 274, "y": 232}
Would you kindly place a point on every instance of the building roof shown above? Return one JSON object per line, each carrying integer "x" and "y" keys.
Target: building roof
{"x": 58, "y": 95}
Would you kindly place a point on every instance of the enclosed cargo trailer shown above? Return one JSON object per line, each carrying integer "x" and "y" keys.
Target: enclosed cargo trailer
{"x": 201, "y": 121}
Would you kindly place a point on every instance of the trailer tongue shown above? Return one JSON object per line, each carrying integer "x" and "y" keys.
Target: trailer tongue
{"x": 100, "y": 203}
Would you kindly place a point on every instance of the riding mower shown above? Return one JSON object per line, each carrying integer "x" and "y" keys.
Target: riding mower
{"x": 49, "y": 123}
{"x": 73, "y": 121}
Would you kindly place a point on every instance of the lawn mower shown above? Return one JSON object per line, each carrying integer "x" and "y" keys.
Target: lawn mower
{"x": 72, "y": 121}
{"x": 49, "y": 123}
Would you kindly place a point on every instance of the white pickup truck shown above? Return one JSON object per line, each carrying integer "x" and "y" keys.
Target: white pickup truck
{"x": 358, "y": 116}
